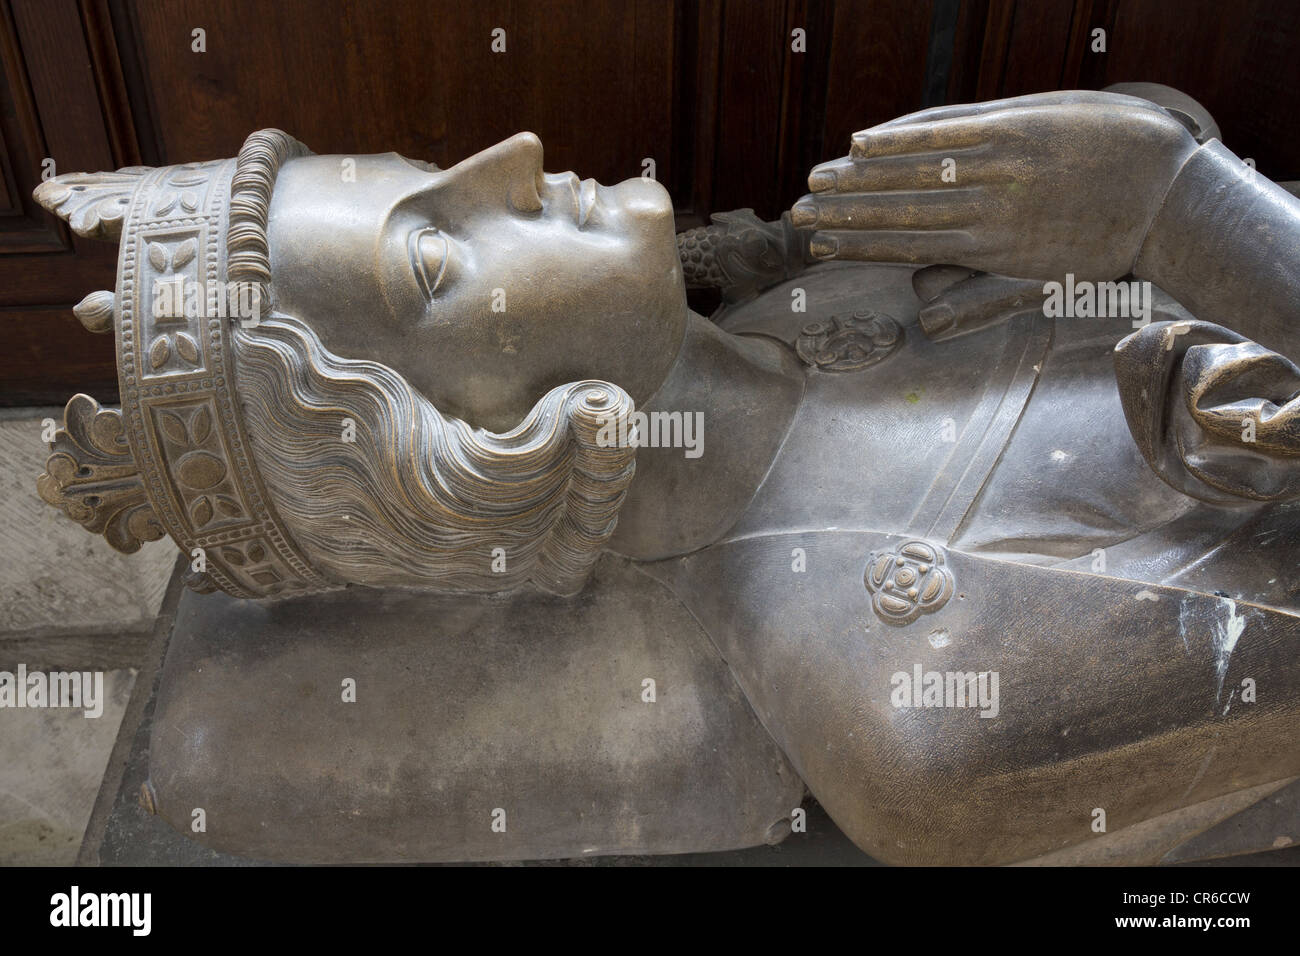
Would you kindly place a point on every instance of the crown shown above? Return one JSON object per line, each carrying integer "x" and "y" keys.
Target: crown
{"x": 176, "y": 458}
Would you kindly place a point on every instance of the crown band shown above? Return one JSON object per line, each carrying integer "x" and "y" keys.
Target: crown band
{"x": 178, "y": 387}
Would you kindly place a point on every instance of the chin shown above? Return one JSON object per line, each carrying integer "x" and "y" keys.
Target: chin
{"x": 645, "y": 198}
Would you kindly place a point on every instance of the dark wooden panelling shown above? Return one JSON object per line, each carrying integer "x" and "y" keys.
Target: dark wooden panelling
{"x": 22, "y": 228}
{"x": 751, "y": 69}
{"x": 876, "y": 70}
{"x": 1238, "y": 59}
{"x": 50, "y": 89}
{"x": 1037, "y": 47}
{"x": 695, "y": 75}
{"x": 593, "y": 79}
{"x": 708, "y": 89}
{"x": 62, "y": 81}
{"x": 48, "y": 357}
{"x": 110, "y": 82}
{"x": 964, "y": 71}
{"x": 803, "y": 103}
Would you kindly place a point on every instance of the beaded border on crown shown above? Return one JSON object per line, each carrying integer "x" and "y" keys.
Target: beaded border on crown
{"x": 201, "y": 227}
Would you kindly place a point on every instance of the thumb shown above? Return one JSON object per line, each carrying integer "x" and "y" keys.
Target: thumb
{"x": 975, "y": 303}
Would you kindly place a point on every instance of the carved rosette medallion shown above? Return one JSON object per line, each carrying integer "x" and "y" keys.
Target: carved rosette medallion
{"x": 849, "y": 343}
{"x": 908, "y": 581}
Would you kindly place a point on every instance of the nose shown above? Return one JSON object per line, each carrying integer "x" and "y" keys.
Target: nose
{"x": 512, "y": 168}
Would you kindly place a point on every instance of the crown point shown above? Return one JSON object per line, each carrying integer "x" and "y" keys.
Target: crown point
{"x": 96, "y": 310}
{"x": 51, "y": 193}
{"x": 92, "y": 204}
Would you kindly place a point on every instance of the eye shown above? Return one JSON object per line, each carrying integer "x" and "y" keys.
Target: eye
{"x": 429, "y": 254}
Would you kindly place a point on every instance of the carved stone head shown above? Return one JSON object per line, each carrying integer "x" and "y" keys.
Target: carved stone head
{"x": 366, "y": 369}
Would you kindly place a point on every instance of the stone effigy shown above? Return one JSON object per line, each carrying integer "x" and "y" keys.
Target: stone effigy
{"x": 543, "y": 564}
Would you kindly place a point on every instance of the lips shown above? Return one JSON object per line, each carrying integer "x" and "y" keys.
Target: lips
{"x": 583, "y": 196}
{"x": 586, "y": 200}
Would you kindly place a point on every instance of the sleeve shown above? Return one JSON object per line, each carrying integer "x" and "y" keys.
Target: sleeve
{"x": 1226, "y": 244}
{"x": 1216, "y": 415}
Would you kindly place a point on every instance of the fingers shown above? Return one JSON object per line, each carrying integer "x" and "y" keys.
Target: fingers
{"x": 955, "y": 111}
{"x": 1059, "y": 98}
{"x": 945, "y": 208}
{"x": 893, "y": 172}
{"x": 913, "y": 246}
{"x": 926, "y": 137}
{"x": 936, "y": 137}
{"x": 976, "y": 303}
{"x": 980, "y": 144}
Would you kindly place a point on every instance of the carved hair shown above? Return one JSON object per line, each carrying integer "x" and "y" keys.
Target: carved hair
{"x": 419, "y": 498}
{"x": 260, "y": 159}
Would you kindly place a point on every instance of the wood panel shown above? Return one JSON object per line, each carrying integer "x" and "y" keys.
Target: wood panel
{"x": 1037, "y": 47}
{"x": 51, "y": 86}
{"x": 876, "y": 70}
{"x": 1238, "y": 59}
{"x": 750, "y": 72}
{"x": 709, "y": 89}
{"x": 594, "y": 80}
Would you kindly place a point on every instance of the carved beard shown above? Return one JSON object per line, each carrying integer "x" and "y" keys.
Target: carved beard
{"x": 418, "y": 498}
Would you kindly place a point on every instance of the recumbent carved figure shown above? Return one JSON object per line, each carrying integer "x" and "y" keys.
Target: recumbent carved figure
{"x": 965, "y": 568}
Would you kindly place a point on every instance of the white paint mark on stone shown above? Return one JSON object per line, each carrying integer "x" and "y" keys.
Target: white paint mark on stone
{"x": 1145, "y": 595}
{"x": 940, "y": 637}
{"x": 1226, "y": 635}
{"x": 1185, "y": 609}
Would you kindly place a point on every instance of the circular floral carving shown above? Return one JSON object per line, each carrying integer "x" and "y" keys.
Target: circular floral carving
{"x": 201, "y": 470}
{"x": 848, "y": 343}
{"x": 907, "y": 582}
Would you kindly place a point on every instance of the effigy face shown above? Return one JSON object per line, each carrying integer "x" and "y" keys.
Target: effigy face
{"x": 483, "y": 285}
{"x": 369, "y": 413}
